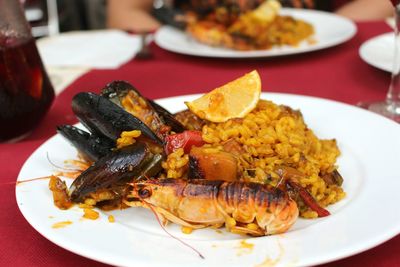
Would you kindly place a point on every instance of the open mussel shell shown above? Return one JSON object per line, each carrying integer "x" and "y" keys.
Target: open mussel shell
{"x": 118, "y": 167}
{"x": 91, "y": 147}
{"x": 116, "y": 91}
{"x": 105, "y": 118}
{"x": 167, "y": 117}
{"x": 127, "y": 97}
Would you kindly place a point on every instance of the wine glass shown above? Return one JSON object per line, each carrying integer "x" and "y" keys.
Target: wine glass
{"x": 390, "y": 108}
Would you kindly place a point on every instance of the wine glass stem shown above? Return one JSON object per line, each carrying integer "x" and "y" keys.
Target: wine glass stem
{"x": 393, "y": 95}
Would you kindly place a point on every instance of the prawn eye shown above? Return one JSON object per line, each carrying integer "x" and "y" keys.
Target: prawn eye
{"x": 144, "y": 193}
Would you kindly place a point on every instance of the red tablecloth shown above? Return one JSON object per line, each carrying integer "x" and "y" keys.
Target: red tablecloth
{"x": 336, "y": 73}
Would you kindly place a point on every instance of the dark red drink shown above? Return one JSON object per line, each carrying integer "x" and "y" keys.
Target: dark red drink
{"x": 395, "y": 2}
{"x": 25, "y": 90}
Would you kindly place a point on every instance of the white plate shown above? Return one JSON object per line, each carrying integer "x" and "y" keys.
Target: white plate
{"x": 379, "y": 51}
{"x": 368, "y": 216}
{"x": 330, "y": 30}
{"x": 89, "y": 49}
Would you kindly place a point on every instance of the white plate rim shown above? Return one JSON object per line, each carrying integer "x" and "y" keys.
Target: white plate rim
{"x": 207, "y": 51}
{"x": 369, "y": 58}
{"x": 386, "y": 234}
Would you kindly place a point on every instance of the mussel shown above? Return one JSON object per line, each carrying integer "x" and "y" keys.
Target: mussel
{"x": 104, "y": 118}
{"x": 119, "y": 108}
{"x": 91, "y": 147}
{"x": 153, "y": 115}
{"x": 168, "y": 117}
{"x": 121, "y": 166}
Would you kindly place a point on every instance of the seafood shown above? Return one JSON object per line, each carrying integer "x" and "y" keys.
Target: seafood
{"x": 260, "y": 27}
{"x": 92, "y": 147}
{"x": 153, "y": 115}
{"x": 168, "y": 118}
{"x": 244, "y": 207}
{"x": 189, "y": 120}
{"x": 254, "y": 175}
{"x": 135, "y": 161}
{"x": 104, "y": 118}
{"x": 105, "y": 121}
{"x": 60, "y": 194}
{"x": 120, "y": 108}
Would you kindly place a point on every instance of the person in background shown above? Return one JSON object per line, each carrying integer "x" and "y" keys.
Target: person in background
{"x": 135, "y": 15}
{"x": 75, "y": 15}
{"x": 360, "y": 10}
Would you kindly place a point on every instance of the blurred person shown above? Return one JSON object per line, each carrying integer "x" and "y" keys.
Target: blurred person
{"x": 75, "y": 15}
{"x": 361, "y": 10}
{"x": 133, "y": 15}
{"x": 136, "y": 15}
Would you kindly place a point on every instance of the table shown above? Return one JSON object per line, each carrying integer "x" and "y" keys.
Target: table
{"x": 336, "y": 73}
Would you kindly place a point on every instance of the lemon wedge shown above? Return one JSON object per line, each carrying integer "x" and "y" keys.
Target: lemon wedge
{"x": 267, "y": 11}
{"x": 233, "y": 100}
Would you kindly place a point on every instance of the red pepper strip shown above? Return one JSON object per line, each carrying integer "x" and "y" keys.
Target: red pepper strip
{"x": 184, "y": 140}
{"x": 309, "y": 200}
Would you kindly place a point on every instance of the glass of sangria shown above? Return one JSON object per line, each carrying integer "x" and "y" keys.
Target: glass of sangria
{"x": 26, "y": 93}
{"x": 390, "y": 107}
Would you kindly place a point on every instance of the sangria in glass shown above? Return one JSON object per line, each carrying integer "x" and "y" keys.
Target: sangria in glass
{"x": 25, "y": 89}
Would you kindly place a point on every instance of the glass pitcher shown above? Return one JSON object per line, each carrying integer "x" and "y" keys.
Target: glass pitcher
{"x": 25, "y": 89}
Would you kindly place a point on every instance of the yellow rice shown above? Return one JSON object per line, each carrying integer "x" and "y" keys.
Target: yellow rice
{"x": 128, "y": 138}
{"x": 273, "y": 136}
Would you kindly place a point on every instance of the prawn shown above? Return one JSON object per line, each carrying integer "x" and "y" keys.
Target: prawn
{"x": 243, "y": 207}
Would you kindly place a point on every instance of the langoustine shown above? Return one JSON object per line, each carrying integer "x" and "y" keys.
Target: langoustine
{"x": 244, "y": 208}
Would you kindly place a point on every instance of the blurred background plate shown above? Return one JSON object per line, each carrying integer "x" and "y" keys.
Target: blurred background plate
{"x": 378, "y": 51}
{"x": 90, "y": 49}
{"x": 330, "y": 30}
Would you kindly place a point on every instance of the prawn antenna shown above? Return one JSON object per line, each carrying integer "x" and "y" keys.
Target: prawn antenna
{"x": 279, "y": 182}
{"x": 56, "y": 166}
{"x": 31, "y": 180}
{"x": 26, "y": 181}
{"x": 10, "y": 183}
{"x": 165, "y": 230}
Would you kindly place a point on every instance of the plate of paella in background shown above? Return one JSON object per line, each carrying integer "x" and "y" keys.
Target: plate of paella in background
{"x": 133, "y": 236}
{"x": 328, "y": 30}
